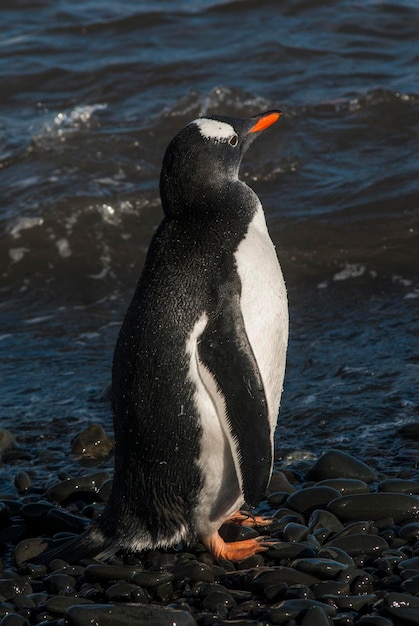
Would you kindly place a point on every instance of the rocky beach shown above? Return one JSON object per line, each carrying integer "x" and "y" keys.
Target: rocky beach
{"x": 343, "y": 550}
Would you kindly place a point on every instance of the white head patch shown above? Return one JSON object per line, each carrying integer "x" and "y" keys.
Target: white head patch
{"x": 213, "y": 129}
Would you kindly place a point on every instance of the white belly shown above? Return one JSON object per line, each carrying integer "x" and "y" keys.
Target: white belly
{"x": 265, "y": 308}
{"x": 265, "y": 312}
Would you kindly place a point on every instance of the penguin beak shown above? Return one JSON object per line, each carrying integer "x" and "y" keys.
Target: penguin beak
{"x": 264, "y": 121}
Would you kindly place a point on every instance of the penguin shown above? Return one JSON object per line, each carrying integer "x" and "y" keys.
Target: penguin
{"x": 199, "y": 362}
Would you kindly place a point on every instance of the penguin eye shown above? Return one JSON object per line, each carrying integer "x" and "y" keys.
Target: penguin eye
{"x": 233, "y": 141}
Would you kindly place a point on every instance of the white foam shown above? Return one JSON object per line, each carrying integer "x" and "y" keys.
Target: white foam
{"x": 213, "y": 129}
{"x": 24, "y": 223}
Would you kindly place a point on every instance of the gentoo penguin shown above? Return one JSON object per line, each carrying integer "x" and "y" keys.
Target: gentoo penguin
{"x": 200, "y": 358}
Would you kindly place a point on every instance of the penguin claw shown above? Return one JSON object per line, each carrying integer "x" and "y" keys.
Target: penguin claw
{"x": 245, "y": 518}
{"x": 235, "y": 550}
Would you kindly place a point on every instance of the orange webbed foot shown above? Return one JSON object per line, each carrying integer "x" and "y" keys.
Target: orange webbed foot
{"x": 243, "y": 518}
{"x": 235, "y": 550}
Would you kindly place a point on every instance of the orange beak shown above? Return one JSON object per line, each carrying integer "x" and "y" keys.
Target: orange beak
{"x": 266, "y": 121}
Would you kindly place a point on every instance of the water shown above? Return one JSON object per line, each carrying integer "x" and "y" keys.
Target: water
{"x": 91, "y": 94}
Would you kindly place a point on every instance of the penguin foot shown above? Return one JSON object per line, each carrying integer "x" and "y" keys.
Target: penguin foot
{"x": 235, "y": 550}
{"x": 244, "y": 518}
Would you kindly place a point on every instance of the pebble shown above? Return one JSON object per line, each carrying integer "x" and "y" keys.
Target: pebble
{"x": 292, "y": 609}
{"x": 78, "y": 488}
{"x": 355, "y": 545}
{"x": 127, "y": 615}
{"x": 311, "y": 498}
{"x": 22, "y": 482}
{"x": 344, "y": 551}
{"x": 397, "y": 485}
{"x": 345, "y": 486}
{"x": 104, "y": 572}
{"x": 375, "y": 506}
{"x": 338, "y": 464}
{"x": 7, "y": 440}
{"x": 321, "y": 568}
{"x": 92, "y": 442}
{"x": 402, "y": 606}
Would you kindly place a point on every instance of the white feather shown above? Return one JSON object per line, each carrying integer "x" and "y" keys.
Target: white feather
{"x": 213, "y": 129}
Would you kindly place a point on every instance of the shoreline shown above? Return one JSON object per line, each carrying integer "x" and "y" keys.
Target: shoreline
{"x": 345, "y": 550}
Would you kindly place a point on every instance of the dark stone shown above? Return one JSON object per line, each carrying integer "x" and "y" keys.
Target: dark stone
{"x": 402, "y": 607}
{"x": 338, "y": 464}
{"x": 92, "y": 442}
{"x": 80, "y": 488}
{"x": 193, "y": 571}
{"x": 57, "y": 604}
{"x": 397, "y": 485}
{"x": 293, "y": 609}
{"x": 355, "y": 545}
{"x": 22, "y": 482}
{"x": 59, "y": 583}
{"x": 345, "y": 486}
{"x": 104, "y": 572}
{"x": 12, "y": 587}
{"x": 127, "y": 615}
{"x": 311, "y": 498}
{"x": 375, "y": 506}
{"x": 321, "y": 568}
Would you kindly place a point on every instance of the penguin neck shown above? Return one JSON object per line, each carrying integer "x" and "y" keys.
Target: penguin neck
{"x": 231, "y": 200}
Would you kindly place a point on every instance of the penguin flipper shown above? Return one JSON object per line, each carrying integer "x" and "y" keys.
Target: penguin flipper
{"x": 225, "y": 351}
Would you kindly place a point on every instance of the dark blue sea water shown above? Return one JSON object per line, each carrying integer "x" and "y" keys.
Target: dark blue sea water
{"x": 92, "y": 92}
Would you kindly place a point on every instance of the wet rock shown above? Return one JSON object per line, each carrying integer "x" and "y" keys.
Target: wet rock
{"x": 121, "y": 592}
{"x": 59, "y": 520}
{"x": 22, "y": 482}
{"x": 282, "y": 574}
{"x": 28, "y": 549}
{"x": 311, "y": 498}
{"x": 397, "y": 485}
{"x": 4, "y": 515}
{"x": 7, "y": 440}
{"x": 289, "y": 550}
{"x": 355, "y": 545}
{"x": 374, "y": 620}
{"x": 193, "y": 571}
{"x": 402, "y": 607}
{"x": 293, "y": 609}
{"x": 348, "y": 602}
{"x": 14, "y": 619}
{"x": 216, "y": 599}
{"x": 338, "y": 464}
{"x": 295, "y": 532}
{"x": 277, "y": 498}
{"x": 324, "y": 519}
{"x": 321, "y": 568}
{"x": 79, "y": 488}
{"x": 34, "y": 514}
{"x": 375, "y": 506}
{"x": 411, "y": 585}
{"x": 279, "y": 482}
{"x": 59, "y": 583}
{"x": 57, "y": 604}
{"x": 409, "y": 531}
{"x": 127, "y": 615}
{"x": 330, "y": 588}
{"x": 345, "y": 486}
{"x": 12, "y": 587}
{"x": 104, "y": 572}
{"x": 315, "y": 615}
{"x": 92, "y": 442}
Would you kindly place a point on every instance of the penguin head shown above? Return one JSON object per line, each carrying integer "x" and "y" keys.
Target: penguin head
{"x": 202, "y": 162}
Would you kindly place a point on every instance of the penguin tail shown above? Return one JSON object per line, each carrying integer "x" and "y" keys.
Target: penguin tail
{"x": 89, "y": 545}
